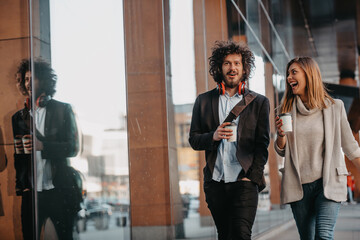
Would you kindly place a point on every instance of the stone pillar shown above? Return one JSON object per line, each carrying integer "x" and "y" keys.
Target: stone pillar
{"x": 210, "y": 24}
{"x": 156, "y": 208}
{"x": 273, "y": 159}
{"x": 14, "y": 46}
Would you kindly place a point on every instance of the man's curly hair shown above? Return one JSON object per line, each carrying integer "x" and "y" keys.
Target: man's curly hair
{"x": 23, "y": 67}
{"x": 43, "y": 72}
{"x": 223, "y": 48}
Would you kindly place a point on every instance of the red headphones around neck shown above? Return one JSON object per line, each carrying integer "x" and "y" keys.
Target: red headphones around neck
{"x": 41, "y": 101}
{"x": 221, "y": 87}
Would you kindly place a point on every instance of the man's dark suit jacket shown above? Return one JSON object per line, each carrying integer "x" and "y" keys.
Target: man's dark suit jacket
{"x": 60, "y": 141}
{"x": 252, "y": 134}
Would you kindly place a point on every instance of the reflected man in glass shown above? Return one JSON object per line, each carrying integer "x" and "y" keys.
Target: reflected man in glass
{"x": 56, "y": 139}
{"x": 22, "y": 162}
{"x": 231, "y": 123}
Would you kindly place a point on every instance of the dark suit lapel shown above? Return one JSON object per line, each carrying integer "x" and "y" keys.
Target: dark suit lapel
{"x": 248, "y": 98}
{"x": 215, "y": 106}
{"x": 48, "y": 117}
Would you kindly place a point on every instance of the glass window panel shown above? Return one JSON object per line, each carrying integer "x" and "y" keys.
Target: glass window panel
{"x": 82, "y": 151}
{"x": 195, "y": 225}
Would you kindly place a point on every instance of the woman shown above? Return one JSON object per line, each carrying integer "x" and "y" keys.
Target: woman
{"x": 314, "y": 174}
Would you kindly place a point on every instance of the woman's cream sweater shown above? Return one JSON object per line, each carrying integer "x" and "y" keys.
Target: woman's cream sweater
{"x": 338, "y": 136}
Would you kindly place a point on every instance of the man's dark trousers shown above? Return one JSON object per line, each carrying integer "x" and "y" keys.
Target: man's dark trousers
{"x": 233, "y": 207}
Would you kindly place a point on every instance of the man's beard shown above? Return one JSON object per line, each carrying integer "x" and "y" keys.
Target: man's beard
{"x": 231, "y": 84}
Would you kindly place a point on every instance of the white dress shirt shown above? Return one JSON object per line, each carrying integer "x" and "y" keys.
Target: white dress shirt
{"x": 227, "y": 167}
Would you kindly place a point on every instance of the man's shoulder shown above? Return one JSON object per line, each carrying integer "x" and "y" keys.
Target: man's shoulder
{"x": 56, "y": 103}
{"x": 208, "y": 94}
{"x": 258, "y": 96}
{"x": 18, "y": 114}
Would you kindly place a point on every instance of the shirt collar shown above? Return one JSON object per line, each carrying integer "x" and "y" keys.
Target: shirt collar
{"x": 237, "y": 95}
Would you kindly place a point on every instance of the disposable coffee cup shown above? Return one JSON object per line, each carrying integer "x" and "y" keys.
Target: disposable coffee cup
{"x": 287, "y": 122}
{"x": 26, "y": 140}
{"x": 233, "y": 127}
{"x": 19, "y": 148}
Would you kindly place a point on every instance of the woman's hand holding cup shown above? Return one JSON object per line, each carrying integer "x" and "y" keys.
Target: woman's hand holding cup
{"x": 279, "y": 124}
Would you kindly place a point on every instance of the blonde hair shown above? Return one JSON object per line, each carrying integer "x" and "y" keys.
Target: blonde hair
{"x": 315, "y": 90}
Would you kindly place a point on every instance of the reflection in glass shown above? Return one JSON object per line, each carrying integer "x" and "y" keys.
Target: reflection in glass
{"x": 21, "y": 127}
{"x": 184, "y": 94}
{"x": 58, "y": 185}
{"x": 89, "y": 62}
{"x": 257, "y": 81}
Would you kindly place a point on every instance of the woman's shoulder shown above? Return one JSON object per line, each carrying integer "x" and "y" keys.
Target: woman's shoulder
{"x": 337, "y": 103}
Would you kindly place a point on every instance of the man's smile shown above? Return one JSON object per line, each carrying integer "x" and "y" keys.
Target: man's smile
{"x": 232, "y": 74}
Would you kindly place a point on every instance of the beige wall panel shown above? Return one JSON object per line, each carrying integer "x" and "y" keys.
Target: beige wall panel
{"x": 140, "y": 82}
{"x": 11, "y": 52}
{"x": 155, "y": 198}
{"x": 176, "y": 201}
{"x": 14, "y": 17}
{"x": 144, "y": 43}
{"x": 151, "y": 215}
{"x": 150, "y": 174}
{"x": 147, "y": 123}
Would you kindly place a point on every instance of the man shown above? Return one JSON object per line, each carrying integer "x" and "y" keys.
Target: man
{"x": 22, "y": 162}
{"x": 56, "y": 139}
{"x": 233, "y": 174}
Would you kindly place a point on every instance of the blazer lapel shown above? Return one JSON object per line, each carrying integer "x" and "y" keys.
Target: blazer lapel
{"x": 248, "y": 98}
{"x": 292, "y": 140}
{"x": 215, "y": 106}
{"x": 329, "y": 125}
{"x": 48, "y": 118}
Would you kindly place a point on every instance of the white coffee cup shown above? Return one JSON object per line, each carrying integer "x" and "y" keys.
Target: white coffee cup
{"x": 287, "y": 122}
{"x": 26, "y": 139}
{"x": 233, "y": 127}
{"x": 19, "y": 149}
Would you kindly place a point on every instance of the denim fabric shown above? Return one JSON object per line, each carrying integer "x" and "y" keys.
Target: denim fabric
{"x": 315, "y": 216}
{"x": 233, "y": 208}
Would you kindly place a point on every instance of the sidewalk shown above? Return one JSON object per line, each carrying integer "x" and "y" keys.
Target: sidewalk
{"x": 347, "y": 227}
{"x": 203, "y": 228}
{"x": 267, "y": 226}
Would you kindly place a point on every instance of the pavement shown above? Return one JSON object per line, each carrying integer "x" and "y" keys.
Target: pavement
{"x": 347, "y": 226}
{"x": 278, "y": 224}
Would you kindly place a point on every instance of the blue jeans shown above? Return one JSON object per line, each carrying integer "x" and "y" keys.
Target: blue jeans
{"x": 315, "y": 216}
